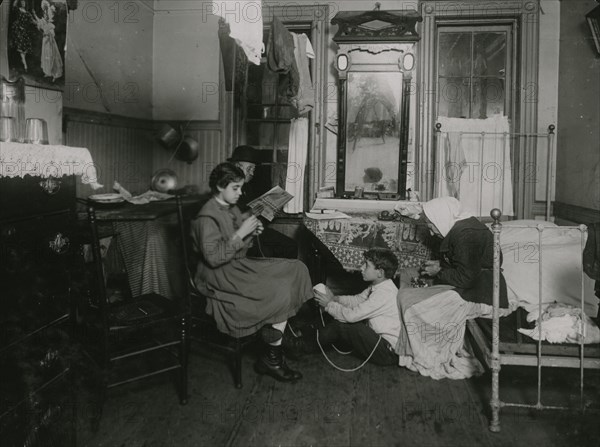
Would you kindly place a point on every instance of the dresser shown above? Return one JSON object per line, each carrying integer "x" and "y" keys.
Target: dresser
{"x": 38, "y": 253}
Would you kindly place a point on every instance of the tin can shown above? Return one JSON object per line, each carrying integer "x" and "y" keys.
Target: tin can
{"x": 358, "y": 192}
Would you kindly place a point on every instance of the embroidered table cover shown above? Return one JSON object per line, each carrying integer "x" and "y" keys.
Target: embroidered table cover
{"x": 36, "y": 160}
{"x": 347, "y": 239}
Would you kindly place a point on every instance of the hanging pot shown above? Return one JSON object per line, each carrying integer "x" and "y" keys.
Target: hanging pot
{"x": 168, "y": 137}
{"x": 188, "y": 150}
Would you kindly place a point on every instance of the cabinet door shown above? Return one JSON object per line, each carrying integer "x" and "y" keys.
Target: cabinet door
{"x": 35, "y": 259}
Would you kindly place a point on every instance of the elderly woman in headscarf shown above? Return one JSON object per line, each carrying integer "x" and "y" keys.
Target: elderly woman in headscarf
{"x": 466, "y": 251}
{"x": 434, "y": 318}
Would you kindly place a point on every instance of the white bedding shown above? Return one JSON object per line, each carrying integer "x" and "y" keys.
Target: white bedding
{"x": 561, "y": 266}
{"x": 434, "y": 319}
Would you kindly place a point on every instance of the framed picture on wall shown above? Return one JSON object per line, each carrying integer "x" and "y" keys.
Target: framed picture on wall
{"x": 37, "y": 31}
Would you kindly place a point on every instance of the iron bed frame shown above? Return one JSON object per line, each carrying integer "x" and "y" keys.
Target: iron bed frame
{"x": 528, "y": 354}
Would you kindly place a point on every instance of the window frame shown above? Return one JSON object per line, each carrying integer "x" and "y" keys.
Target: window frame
{"x": 444, "y": 27}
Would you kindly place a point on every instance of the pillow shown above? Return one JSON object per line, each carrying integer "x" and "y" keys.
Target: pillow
{"x": 561, "y": 266}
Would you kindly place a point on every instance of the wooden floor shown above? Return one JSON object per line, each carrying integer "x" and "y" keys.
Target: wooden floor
{"x": 375, "y": 406}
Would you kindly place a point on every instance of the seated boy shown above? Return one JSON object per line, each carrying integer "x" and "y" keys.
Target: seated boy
{"x": 368, "y": 323}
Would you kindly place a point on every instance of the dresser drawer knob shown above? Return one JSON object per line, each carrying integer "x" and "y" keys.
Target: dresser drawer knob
{"x": 50, "y": 185}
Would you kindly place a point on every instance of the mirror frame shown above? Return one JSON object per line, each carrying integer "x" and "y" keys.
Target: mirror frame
{"x": 375, "y": 32}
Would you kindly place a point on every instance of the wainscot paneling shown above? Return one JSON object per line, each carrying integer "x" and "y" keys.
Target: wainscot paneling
{"x": 126, "y": 150}
{"x": 208, "y": 134}
{"x": 121, "y": 148}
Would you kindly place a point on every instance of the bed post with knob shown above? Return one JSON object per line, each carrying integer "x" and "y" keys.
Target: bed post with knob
{"x": 495, "y": 401}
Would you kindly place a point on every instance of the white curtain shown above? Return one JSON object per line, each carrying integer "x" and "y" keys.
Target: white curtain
{"x": 297, "y": 151}
{"x": 475, "y": 167}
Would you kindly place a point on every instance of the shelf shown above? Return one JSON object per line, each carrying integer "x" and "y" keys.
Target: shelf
{"x": 268, "y": 120}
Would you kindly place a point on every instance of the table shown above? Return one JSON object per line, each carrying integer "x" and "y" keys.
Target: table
{"x": 347, "y": 239}
{"x": 148, "y": 245}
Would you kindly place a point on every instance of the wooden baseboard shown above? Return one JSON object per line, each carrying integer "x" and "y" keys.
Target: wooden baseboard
{"x": 575, "y": 214}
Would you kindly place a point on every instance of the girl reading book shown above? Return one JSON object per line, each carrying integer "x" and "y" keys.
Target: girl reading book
{"x": 250, "y": 294}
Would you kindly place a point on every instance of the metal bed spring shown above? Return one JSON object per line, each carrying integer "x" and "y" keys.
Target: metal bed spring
{"x": 527, "y": 357}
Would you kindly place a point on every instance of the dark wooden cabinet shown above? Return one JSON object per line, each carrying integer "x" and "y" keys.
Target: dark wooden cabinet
{"x": 38, "y": 250}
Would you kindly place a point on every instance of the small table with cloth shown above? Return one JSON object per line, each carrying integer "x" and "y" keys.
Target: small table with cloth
{"x": 146, "y": 245}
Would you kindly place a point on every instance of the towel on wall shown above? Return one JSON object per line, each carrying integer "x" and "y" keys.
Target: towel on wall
{"x": 476, "y": 168}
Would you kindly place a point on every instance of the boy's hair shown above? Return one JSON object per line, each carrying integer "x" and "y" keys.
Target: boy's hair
{"x": 384, "y": 259}
{"x": 223, "y": 174}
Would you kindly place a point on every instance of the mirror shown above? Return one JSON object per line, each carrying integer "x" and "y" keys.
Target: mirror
{"x": 375, "y": 64}
{"x": 373, "y": 132}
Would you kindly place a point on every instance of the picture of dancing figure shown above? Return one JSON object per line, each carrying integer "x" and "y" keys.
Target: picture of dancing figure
{"x": 51, "y": 60}
{"x": 36, "y": 42}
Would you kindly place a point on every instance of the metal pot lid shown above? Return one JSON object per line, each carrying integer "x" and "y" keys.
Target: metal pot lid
{"x": 164, "y": 180}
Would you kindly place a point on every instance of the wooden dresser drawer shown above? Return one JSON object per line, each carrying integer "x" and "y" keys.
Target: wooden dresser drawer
{"x": 21, "y": 197}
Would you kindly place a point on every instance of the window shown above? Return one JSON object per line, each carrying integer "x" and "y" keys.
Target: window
{"x": 473, "y": 71}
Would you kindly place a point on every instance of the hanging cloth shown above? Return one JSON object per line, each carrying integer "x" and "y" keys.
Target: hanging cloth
{"x": 304, "y": 101}
{"x": 297, "y": 151}
{"x": 477, "y": 163}
{"x": 281, "y": 59}
{"x": 245, "y": 24}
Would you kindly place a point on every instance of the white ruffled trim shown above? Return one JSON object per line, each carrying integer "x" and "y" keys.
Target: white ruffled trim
{"x": 19, "y": 160}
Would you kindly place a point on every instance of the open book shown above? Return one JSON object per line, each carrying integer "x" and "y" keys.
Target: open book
{"x": 271, "y": 201}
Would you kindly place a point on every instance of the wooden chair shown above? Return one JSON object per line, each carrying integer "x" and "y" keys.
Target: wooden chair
{"x": 134, "y": 338}
{"x": 203, "y": 329}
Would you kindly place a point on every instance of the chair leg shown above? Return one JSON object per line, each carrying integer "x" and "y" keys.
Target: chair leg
{"x": 237, "y": 364}
{"x": 183, "y": 360}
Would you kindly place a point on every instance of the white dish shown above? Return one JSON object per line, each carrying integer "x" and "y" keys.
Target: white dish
{"x": 105, "y": 202}
{"x": 105, "y": 197}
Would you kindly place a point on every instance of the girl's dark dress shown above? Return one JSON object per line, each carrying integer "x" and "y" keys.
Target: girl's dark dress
{"x": 249, "y": 292}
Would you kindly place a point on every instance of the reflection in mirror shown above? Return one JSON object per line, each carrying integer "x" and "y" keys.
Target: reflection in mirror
{"x": 373, "y": 131}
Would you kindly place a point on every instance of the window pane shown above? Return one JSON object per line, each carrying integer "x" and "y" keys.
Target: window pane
{"x": 253, "y": 86}
{"x": 260, "y": 134}
{"x": 454, "y": 54}
{"x": 488, "y": 97}
{"x": 453, "y": 97}
{"x": 269, "y": 86}
{"x": 489, "y": 54}
{"x": 283, "y": 136}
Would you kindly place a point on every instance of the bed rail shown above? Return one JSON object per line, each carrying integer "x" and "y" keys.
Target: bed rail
{"x": 522, "y": 176}
{"x": 530, "y": 358}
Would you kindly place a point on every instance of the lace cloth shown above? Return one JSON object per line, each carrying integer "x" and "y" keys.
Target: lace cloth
{"x": 19, "y": 160}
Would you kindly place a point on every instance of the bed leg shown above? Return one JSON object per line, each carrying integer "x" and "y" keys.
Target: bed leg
{"x": 495, "y": 401}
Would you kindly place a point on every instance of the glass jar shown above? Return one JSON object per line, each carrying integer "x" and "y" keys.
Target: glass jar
{"x": 12, "y": 95}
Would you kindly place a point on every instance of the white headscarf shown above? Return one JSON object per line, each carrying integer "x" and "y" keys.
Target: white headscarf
{"x": 444, "y": 212}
